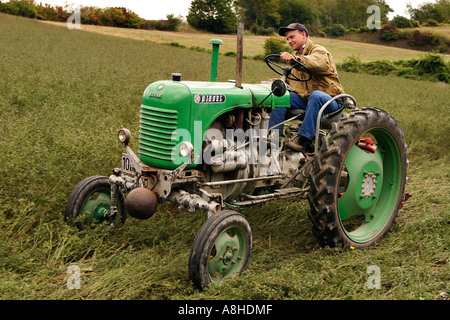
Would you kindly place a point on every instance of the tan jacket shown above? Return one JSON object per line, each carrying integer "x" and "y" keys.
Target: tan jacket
{"x": 324, "y": 73}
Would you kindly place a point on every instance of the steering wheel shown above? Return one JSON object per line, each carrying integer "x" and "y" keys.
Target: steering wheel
{"x": 287, "y": 71}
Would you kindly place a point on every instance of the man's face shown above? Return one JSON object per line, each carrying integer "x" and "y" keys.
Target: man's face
{"x": 296, "y": 39}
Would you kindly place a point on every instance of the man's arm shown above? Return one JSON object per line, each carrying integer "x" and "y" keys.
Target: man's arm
{"x": 317, "y": 61}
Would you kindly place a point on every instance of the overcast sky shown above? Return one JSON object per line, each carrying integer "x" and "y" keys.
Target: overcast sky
{"x": 158, "y": 9}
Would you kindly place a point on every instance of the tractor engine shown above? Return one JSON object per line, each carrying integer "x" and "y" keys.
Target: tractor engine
{"x": 227, "y": 128}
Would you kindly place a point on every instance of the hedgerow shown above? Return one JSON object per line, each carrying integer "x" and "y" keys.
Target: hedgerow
{"x": 430, "y": 67}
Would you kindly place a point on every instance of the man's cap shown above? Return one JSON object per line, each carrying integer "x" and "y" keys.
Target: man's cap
{"x": 293, "y": 26}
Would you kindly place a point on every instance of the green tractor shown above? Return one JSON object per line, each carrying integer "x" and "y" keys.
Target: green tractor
{"x": 207, "y": 145}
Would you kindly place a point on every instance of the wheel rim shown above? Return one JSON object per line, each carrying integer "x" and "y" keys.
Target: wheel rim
{"x": 227, "y": 254}
{"x": 96, "y": 207}
{"x": 374, "y": 183}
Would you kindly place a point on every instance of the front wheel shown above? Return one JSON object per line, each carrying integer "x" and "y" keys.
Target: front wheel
{"x": 221, "y": 249}
{"x": 358, "y": 180}
{"x": 90, "y": 204}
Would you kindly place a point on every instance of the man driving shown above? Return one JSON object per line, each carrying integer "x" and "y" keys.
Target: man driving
{"x": 310, "y": 95}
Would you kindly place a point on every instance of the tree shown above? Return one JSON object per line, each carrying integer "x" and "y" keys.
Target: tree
{"x": 439, "y": 11}
{"x": 174, "y": 22}
{"x": 113, "y": 17}
{"x": 335, "y": 30}
{"x": 259, "y": 14}
{"x": 215, "y": 16}
{"x": 349, "y": 13}
{"x": 298, "y": 11}
{"x": 401, "y": 22}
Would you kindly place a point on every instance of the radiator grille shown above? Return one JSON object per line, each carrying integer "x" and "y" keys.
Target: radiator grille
{"x": 156, "y": 128}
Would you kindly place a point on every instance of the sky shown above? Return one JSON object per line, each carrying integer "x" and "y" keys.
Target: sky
{"x": 159, "y": 9}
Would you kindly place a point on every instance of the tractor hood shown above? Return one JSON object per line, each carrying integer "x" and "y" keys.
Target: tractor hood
{"x": 175, "y": 111}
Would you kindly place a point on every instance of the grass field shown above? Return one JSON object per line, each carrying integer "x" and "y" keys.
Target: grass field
{"x": 63, "y": 96}
{"x": 254, "y": 45}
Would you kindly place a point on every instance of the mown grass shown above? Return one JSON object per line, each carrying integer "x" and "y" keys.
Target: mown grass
{"x": 63, "y": 96}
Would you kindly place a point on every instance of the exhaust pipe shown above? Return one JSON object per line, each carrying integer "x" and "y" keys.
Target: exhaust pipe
{"x": 216, "y": 43}
{"x": 215, "y": 58}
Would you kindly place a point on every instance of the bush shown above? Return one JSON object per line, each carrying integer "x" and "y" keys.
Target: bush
{"x": 114, "y": 17}
{"x": 259, "y": 57}
{"x": 431, "y": 63}
{"x": 389, "y": 33}
{"x": 422, "y": 38}
{"x": 200, "y": 49}
{"x": 401, "y": 22}
{"x": 275, "y": 46}
{"x": 405, "y": 34}
{"x": 230, "y": 54}
{"x": 429, "y": 67}
{"x": 431, "y": 23}
{"x": 174, "y": 22}
{"x": 352, "y": 64}
{"x": 263, "y": 31}
{"x": 363, "y": 29}
{"x": 415, "y": 23}
{"x": 175, "y": 44}
{"x": 380, "y": 67}
{"x": 91, "y": 15}
{"x": 335, "y": 30}
{"x": 152, "y": 25}
{"x": 432, "y": 66}
{"x": 24, "y": 8}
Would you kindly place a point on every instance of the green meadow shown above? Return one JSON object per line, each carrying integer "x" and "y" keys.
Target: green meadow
{"x": 254, "y": 45}
{"x": 63, "y": 96}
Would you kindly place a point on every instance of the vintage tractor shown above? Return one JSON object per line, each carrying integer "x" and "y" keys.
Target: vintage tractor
{"x": 207, "y": 145}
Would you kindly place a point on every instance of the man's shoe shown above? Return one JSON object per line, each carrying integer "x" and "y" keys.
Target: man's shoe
{"x": 300, "y": 144}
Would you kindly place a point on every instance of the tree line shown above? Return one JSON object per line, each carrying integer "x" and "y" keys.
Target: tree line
{"x": 112, "y": 16}
{"x": 266, "y": 16}
{"x": 262, "y": 17}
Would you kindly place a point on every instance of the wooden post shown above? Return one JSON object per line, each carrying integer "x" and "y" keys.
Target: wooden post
{"x": 239, "y": 53}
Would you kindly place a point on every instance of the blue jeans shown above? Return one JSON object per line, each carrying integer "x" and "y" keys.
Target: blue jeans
{"x": 308, "y": 128}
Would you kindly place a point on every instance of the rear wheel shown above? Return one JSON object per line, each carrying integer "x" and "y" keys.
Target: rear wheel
{"x": 221, "y": 249}
{"x": 90, "y": 204}
{"x": 358, "y": 181}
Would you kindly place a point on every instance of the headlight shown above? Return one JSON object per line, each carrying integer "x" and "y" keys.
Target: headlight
{"x": 186, "y": 149}
{"x": 124, "y": 135}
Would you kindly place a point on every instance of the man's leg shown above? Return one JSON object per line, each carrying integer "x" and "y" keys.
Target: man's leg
{"x": 303, "y": 141}
{"x": 278, "y": 115}
{"x": 316, "y": 100}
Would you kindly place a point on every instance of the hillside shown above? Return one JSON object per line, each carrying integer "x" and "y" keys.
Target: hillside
{"x": 254, "y": 45}
{"x": 63, "y": 96}
{"x": 443, "y": 33}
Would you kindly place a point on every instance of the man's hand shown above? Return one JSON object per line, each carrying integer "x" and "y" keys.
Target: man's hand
{"x": 287, "y": 56}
